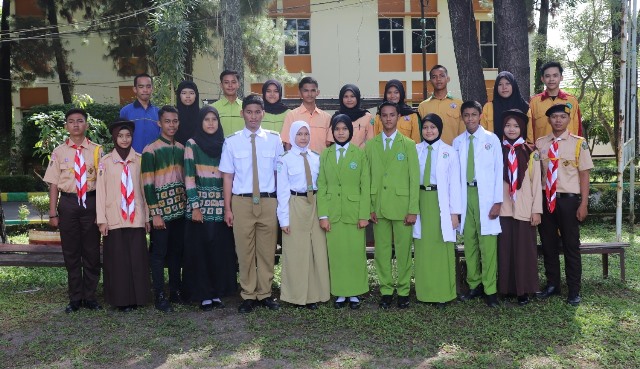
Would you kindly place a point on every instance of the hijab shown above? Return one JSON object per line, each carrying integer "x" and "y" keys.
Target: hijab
{"x": 188, "y": 115}
{"x": 522, "y": 151}
{"x": 278, "y": 107}
{"x": 342, "y": 118}
{"x": 356, "y": 112}
{"x": 211, "y": 144}
{"x": 500, "y": 104}
{"x": 295, "y": 127}
{"x": 437, "y": 121}
{"x": 115, "y": 128}
{"x": 403, "y": 108}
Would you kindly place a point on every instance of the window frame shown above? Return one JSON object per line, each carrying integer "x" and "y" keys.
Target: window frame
{"x": 418, "y": 31}
{"x": 493, "y": 45}
{"x": 295, "y": 36}
{"x": 392, "y": 31}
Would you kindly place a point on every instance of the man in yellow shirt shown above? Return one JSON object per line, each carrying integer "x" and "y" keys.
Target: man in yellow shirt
{"x": 229, "y": 106}
{"x": 442, "y": 103}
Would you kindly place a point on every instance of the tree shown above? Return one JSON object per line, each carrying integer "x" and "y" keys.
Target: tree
{"x": 512, "y": 38}
{"x": 232, "y": 39}
{"x": 5, "y": 71}
{"x": 63, "y": 67}
{"x": 467, "y": 50}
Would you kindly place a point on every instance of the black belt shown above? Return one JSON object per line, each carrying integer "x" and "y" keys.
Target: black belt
{"x": 429, "y": 188}
{"x": 262, "y": 194}
{"x": 472, "y": 184}
{"x": 561, "y": 195}
{"x": 75, "y": 194}
{"x": 294, "y": 193}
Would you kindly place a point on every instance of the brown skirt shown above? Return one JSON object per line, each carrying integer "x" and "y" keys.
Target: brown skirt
{"x": 126, "y": 267}
{"x": 517, "y": 258}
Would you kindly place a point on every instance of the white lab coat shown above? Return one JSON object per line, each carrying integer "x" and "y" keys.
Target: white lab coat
{"x": 448, "y": 181}
{"x": 488, "y": 172}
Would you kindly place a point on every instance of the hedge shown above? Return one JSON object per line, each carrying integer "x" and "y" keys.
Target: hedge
{"x": 21, "y": 183}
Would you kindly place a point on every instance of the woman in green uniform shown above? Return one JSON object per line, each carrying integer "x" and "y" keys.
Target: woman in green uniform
{"x": 274, "y": 109}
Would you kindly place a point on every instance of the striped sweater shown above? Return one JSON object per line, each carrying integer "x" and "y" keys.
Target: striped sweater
{"x": 203, "y": 182}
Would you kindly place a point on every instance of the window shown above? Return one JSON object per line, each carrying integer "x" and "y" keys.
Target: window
{"x": 297, "y": 33}
{"x": 391, "y": 34}
{"x": 488, "y": 46}
{"x": 416, "y": 33}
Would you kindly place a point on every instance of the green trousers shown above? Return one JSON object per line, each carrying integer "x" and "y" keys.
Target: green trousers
{"x": 480, "y": 252}
{"x": 385, "y": 233}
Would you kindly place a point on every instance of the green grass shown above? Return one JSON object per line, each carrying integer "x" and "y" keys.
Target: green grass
{"x": 604, "y": 331}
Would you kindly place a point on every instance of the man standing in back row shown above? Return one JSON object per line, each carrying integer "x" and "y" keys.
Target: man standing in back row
{"x": 143, "y": 113}
{"x": 229, "y": 105}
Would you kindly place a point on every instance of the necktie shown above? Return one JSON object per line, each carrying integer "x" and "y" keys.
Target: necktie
{"x": 387, "y": 145}
{"x": 80, "y": 171}
{"x": 470, "y": 161}
{"x": 256, "y": 180}
{"x": 427, "y": 168}
{"x": 307, "y": 173}
{"x": 127, "y": 202}
{"x": 341, "y": 154}
{"x": 513, "y": 166}
{"x": 552, "y": 176}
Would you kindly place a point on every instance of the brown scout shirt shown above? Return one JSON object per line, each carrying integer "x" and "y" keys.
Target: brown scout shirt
{"x": 60, "y": 171}
{"x": 528, "y": 197}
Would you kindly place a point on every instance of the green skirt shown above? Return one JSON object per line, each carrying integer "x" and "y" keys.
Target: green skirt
{"x": 347, "y": 260}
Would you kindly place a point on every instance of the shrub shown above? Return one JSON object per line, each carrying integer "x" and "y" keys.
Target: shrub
{"x": 21, "y": 183}
{"x": 41, "y": 204}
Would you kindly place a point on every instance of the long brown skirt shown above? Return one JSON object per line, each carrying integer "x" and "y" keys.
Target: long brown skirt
{"x": 126, "y": 267}
{"x": 517, "y": 258}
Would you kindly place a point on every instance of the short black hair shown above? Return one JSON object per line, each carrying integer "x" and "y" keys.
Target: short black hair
{"x": 229, "y": 72}
{"x": 166, "y": 109}
{"x": 135, "y": 79}
{"x": 252, "y": 99}
{"x": 307, "y": 80}
{"x": 438, "y": 66}
{"x": 76, "y": 111}
{"x": 388, "y": 103}
{"x": 471, "y": 104}
{"x": 551, "y": 64}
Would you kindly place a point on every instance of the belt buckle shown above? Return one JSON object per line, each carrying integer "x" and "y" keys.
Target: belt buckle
{"x": 256, "y": 200}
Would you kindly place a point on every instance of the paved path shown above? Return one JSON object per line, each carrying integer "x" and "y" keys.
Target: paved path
{"x": 11, "y": 211}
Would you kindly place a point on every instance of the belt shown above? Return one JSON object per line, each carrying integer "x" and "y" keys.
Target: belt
{"x": 472, "y": 184}
{"x": 294, "y": 193}
{"x": 429, "y": 188}
{"x": 561, "y": 195}
{"x": 262, "y": 194}
{"x": 74, "y": 194}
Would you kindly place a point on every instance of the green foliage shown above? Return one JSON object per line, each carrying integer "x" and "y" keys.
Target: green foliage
{"x": 262, "y": 41}
{"x": 41, "y": 204}
{"x": 23, "y": 213}
{"x": 21, "y": 183}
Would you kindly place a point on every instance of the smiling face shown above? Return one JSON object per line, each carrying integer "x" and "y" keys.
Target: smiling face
{"x": 230, "y": 86}
{"x": 187, "y": 96}
{"x": 272, "y": 95}
{"x": 559, "y": 122}
{"x": 393, "y": 95}
{"x": 551, "y": 78}
{"x": 341, "y": 132}
{"x": 303, "y": 137}
{"x": 124, "y": 139}
{"x": 168, "y": 125}
{"x": 309, "y": 92}
{"x": 76, "y": 125}
{"x": 349, "y": 99}
{"x": 471, "y": 118}
{"x": 210, "y": 123}
{"x": 143, "y": 89}
{"x": 505, "y": 89}
{"x": 512, "y": 129}
{"x": 252, "y": 115}
{"x": 429, "y": 131}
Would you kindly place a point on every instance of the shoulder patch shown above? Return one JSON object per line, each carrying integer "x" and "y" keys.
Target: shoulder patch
{"x": 284, "y": 153}
{"x": 279, "y": 166}
{"x": 576, "y": 136}
{"x": 584, "y": 145}
{"x": 536, "y": 156}
{"x": 372, "y": 121}
{"x": 233, "y": 134}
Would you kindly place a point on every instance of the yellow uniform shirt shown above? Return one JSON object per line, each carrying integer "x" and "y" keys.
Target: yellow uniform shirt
{"x": 230, "y": 117}
{"x": 538, "y": 120}
{"x": 449, "y": 111}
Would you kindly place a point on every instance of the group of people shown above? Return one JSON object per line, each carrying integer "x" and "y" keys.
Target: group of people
{"x": 216, "y": 206}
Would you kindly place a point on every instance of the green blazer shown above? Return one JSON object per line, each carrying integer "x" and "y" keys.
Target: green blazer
{"x": 395, "y": 181}
{"x": 343, "y": 190}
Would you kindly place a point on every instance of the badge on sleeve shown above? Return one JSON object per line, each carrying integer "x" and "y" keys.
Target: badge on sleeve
{"x": 584, "y": 145}
{"x": 353, "y": 165}
{"x": 100, "y": 169}
{"x": 453, "y": 105}
{"x": 407, "y": 118}
{"x": 400, "y": 156}
{"x": 372, "y": 121}
{"x": 279, "y": 167}
{"x": 569, "y": 105}
{"x": 536, "y": 156}
{"x": 487, "y": 146}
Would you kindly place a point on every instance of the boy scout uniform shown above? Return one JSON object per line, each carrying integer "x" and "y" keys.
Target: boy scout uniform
{"x": 449, "y": 110}
{"x": 538, "y": 106}
{"x": 78, "y": 229}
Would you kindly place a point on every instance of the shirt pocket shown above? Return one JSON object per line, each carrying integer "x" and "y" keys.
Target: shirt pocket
{"x": 266, "y": 159}
{"x": 67, "y": 175}
{"x": 453, "y": 113}
{"x": 402, "y": 191}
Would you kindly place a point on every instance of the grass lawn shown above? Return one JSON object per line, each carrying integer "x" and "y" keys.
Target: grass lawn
{"x": 603, "y": 332}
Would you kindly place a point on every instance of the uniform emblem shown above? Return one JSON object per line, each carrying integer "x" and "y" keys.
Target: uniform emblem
{"x": 569, "y": 105}
{"x": 353, "y": 165}
{"x": 66, "y": 160}
{"x": 53, "y": 157}
{"x": 565, "y": 163}
{"x": 100, "y": 172}
{"x": 309, "y": 188}
{"x": 487, "y": 146}
{"x": 279, "y": 166}
{"x": 584, "y": 145}
{"x": 372, "y": 121}
{"x": 400, "y": 156}
{"x": 90, "y": 170}
{"x": 536, "y": 156}
{"x": 407, "y": 118}
{"x": 445, "y": 155}
{"x": 256, "y": 200}
{"x": 453, "y": 105}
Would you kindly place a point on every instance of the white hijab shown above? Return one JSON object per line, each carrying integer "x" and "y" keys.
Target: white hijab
{"x": 295, "y": 127}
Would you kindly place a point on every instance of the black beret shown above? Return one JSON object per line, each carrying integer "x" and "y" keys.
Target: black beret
{"x": 557, "y": 109}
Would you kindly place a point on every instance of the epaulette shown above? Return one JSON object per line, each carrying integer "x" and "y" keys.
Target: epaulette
{"x": 576, "y": 136}
{"x": 233, "y": 134}
{"x": 315, "y": 152}
{"x": 272, "y": 132}
{"x": 284, "y": 153}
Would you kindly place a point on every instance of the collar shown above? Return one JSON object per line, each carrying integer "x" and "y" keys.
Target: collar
{"x": 84, "y": 144}
{"x": 563, "y": 136}
{"x": 131, "y": 157}
{"x": 297, "y": 151}
{"x": 166, "y": 141}
{"x": 136, "y": 104}
{"x": 436, "y": 145}
{"x": 477, "y": 133}
{"x": 561, "y": 94}
{"x": 449, "y": 96}
{"x": 346, "y": 146}
{"x": 315, "y": 110}
{"x": 259, "y": 133}
{"x": 226, "y": 101}
{"x": 392, "y": 137}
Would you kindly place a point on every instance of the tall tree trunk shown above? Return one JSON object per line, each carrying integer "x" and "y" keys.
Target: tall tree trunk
{"x": 512, "y": 38}
{"x": 188, "y": 60}
{"x": 5, "y": 72}
{"x": 616, "y": 38}
{"x": 61, "y": 61}
{"x": 232, "y": 37}
{"x": 541, "y": 45}
{"x": 467, "y": 50}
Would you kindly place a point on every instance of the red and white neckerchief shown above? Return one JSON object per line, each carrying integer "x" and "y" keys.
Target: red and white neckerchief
{"x": 552, "y": 176}
{"x": 513, "y": 166}
{"x": 127, "y": 201}
{"x": 80, "y": 171}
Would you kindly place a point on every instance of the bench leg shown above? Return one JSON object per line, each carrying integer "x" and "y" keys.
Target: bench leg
{"x": 622, "y": 270}
{"x": 605, "y": 265}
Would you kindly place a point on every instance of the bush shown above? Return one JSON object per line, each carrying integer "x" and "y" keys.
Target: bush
{"x": 21, "y": 183}
{"x": 41, "y": 204}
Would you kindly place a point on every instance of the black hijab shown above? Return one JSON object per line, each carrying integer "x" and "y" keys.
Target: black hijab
{"x": 403, "y": 108}
{"x": 500, "y": 104}
{"x": 211, "y": 144}
{"x": 188, "y": 115}
{"x": 342, "y": 118}
{"x": 278, "y": 107}
{"x": 356, "y": 112}
{"x": 115, "y": 128}
{"x": 437, "y": 121}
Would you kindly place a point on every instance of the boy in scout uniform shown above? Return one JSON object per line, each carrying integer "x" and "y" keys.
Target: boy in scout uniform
{"x": 442, "y": 103}
{"x": 71, "y": 174}
{"x": 394, "y": 198}
{"x": 248, "y": 164}
{"x": 565, "y": 166}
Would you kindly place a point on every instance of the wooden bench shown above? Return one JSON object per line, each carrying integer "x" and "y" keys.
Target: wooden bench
{"x": 603, "y": 248}
{"x": 31, "y": 255}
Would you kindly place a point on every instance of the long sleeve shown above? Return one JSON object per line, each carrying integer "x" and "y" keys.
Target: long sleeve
{"x": 455, "y": 204}
{"x": 284, "y": 192}
{"x": 498, "y": 169}
{"x": 148, "y": 179}
{"x": 365, "y": 189}
{"x": 415, "y": 128}
{"x": 190, "y": 176}
{"x": 536, "y": 186}
{"x": 487, "y": 117}
{"x": 414, "y": 180}
{"x": 321, "y": 182}
{"x": 101, "y": 196}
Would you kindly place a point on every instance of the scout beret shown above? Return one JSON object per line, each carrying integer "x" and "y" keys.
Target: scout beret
{"x": 120, "y": 122}
{"x": 557, "y": 109}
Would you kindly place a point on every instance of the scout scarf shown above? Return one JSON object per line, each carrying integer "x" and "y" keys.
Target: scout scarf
{"x": 500, "y": 104}
{"x": 211, "y": 144}
{"x": 127, "y": 196}
{"x": 512, "y": 166}
{"x": 187, "y": 114}
{"x": 342, "y": 118}
{"x": 552, "y": 176}
{"x": 277, "y": 107}
{"x": 80, "y": 171}
{"x": 356, "y": 112}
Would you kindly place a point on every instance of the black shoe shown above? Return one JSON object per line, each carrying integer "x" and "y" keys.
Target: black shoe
{"x": 73, "y": 306}
{"x": 523, "y": 300}
{"x": 574, "y": 299}
{"x": 339, "y": 305}
{"x": 473, "y": 293}
{"x": 175, "y": 297}
{"x": 385, "y": 302}
{"x": 441, "y": 305}
{"x": 312, "y": 306}
{"x": 354, "y": 305}
{"x": 163, "y": 304}
{"x": 206, "y": 307}
{"x": 218, "y": 305}
{"x": 492, "y": 300}
{"x": 270, "y": 303}
{"x": 548, "y": 291}
{"x": 403, "y": 302}
{"x": 125, "y": 309}
{"x": 91, "y": 305}
{"x": 246, "y": 306}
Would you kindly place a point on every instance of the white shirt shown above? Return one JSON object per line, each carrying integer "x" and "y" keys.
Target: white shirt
{"x": 392, "y": 137}
{"x": 422, "y": 160}
{"x": 292, "y": 177}
{"x": 338, "y": 147}
{"x": 236, "y": 158}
